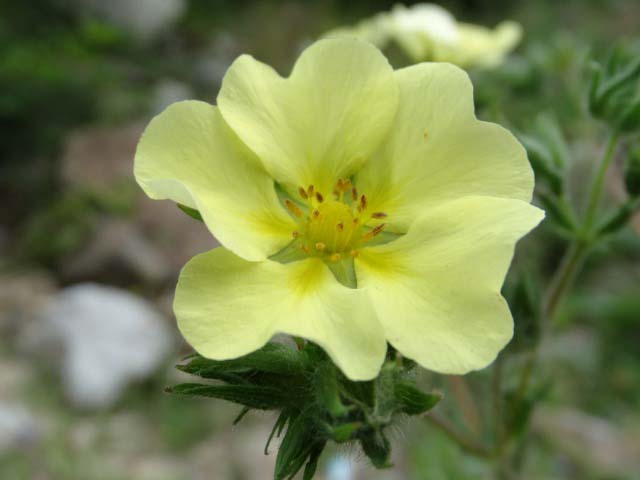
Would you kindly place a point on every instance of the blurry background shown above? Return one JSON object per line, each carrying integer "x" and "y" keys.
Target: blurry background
{"x": 88, "y": 264}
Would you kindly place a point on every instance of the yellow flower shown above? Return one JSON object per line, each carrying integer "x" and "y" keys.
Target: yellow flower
{"x": 427, "y": 32}
{"x": 355, "y": 205}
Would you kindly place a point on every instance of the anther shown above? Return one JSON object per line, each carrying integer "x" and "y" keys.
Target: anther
{"x": 363, "y": 202}
{"x": 346, "y": 185}
{"x": 315, "y": 213}
{"x": 372, "y": 233}
{"x": 378, "y": 215}
{"x": 319, "y": 196}
{"x": 340, "y": 227}
{"x": 303, "y": 193}
{"x": 295, "y": 234}
{"x": 305, "y": 249}
{"x": 320, "y": 246}
{"x": 354, "y": 194}
{"x": 356, "y": 221}
{"x": 335, "y": 257}
{"x": 378, "y": 228}
{"x": 293, "y": 208}
{"x": 354, "y": 253}
{"x": 310, "y": 190}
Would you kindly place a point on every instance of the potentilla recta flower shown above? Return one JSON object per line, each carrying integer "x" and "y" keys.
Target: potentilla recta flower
{"x": 428, "y": 32}
{"x": 355, "y": 206}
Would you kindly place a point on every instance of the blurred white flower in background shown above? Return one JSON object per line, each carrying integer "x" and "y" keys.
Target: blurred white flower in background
{"x": 428, "y": 32}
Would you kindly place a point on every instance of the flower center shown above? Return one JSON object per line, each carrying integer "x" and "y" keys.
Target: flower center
{"x": 333, "y": 228}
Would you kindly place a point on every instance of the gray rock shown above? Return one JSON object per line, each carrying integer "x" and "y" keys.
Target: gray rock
{"x": 109, "y": 337}
{"x": 19, "y": 428}
{"x": 118, "y": 251}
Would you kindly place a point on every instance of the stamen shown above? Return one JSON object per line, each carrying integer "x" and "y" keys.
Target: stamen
{"x": 372, "y": 233}
{"x": 363, "y": 203}
{"x": 310, "y": 189}
{"x": 293, "y": 208}
{"x": 320, "y": 246}
{"x": 295, "y": 234}
{"x": 354, "y": 253}
{"x": 319, "y": 196}
{"x": 303, "y": 193}
{"x": 378, "y": 215}
{"x": 340, "y": 227}
{"x": 354, "y": 194}
{"x": 305, "y": 249}
{"x": 335, "y": 257}
{"x": 356, "y": 221}
{"x": 315, "y": 213}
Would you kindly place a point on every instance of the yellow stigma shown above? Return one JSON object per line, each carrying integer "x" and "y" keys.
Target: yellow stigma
{"x": 334, "y": 228}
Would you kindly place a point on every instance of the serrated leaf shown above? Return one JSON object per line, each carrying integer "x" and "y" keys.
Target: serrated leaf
{"x": 252, "y": 396}
{"x": 413, "y": 401}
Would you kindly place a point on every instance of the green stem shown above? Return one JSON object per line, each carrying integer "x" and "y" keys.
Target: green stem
{"x": 462, "y": 440}
{"x": 570, "y": 265}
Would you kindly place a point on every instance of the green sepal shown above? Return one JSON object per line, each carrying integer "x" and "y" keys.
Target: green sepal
{"x": 344, "y": 432}
{"x": 252, "y": 396}
{"x": 377, "y": 447}
{"x": 413, "y": 401}
{"x": 292, "y": 252}
{"x": 192, "y": 212}
{"x": 344, "y": 271}
{"x": 328, "y": 391}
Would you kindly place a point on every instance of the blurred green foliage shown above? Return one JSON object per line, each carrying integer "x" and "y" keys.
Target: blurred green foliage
{"x": 61, "y": 69}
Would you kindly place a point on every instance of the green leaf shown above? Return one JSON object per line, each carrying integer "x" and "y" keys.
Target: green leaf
{"x": 312, "y": 464}
{"x": 541, "y": 160}
{"x": 619, "y": 219}
{"x": 557, "y": 211}
{"x": 192, "y": 212}
{"x": 300, "y": 444}
{"x": 413, "y": 401}
{"x": 252, "y": 396}
{"x": 273, "y": 358}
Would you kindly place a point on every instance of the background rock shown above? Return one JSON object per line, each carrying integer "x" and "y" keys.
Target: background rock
{"x": 109, "y": 337}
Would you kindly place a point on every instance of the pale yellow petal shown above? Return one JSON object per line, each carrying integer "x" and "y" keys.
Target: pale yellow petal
{"x": 438, "y": 151}
{"x": 188, "y": 154}
{"x": 227, "y": 307}
{"x": 436, "y": 290}
{"x": 322, "y": 122}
